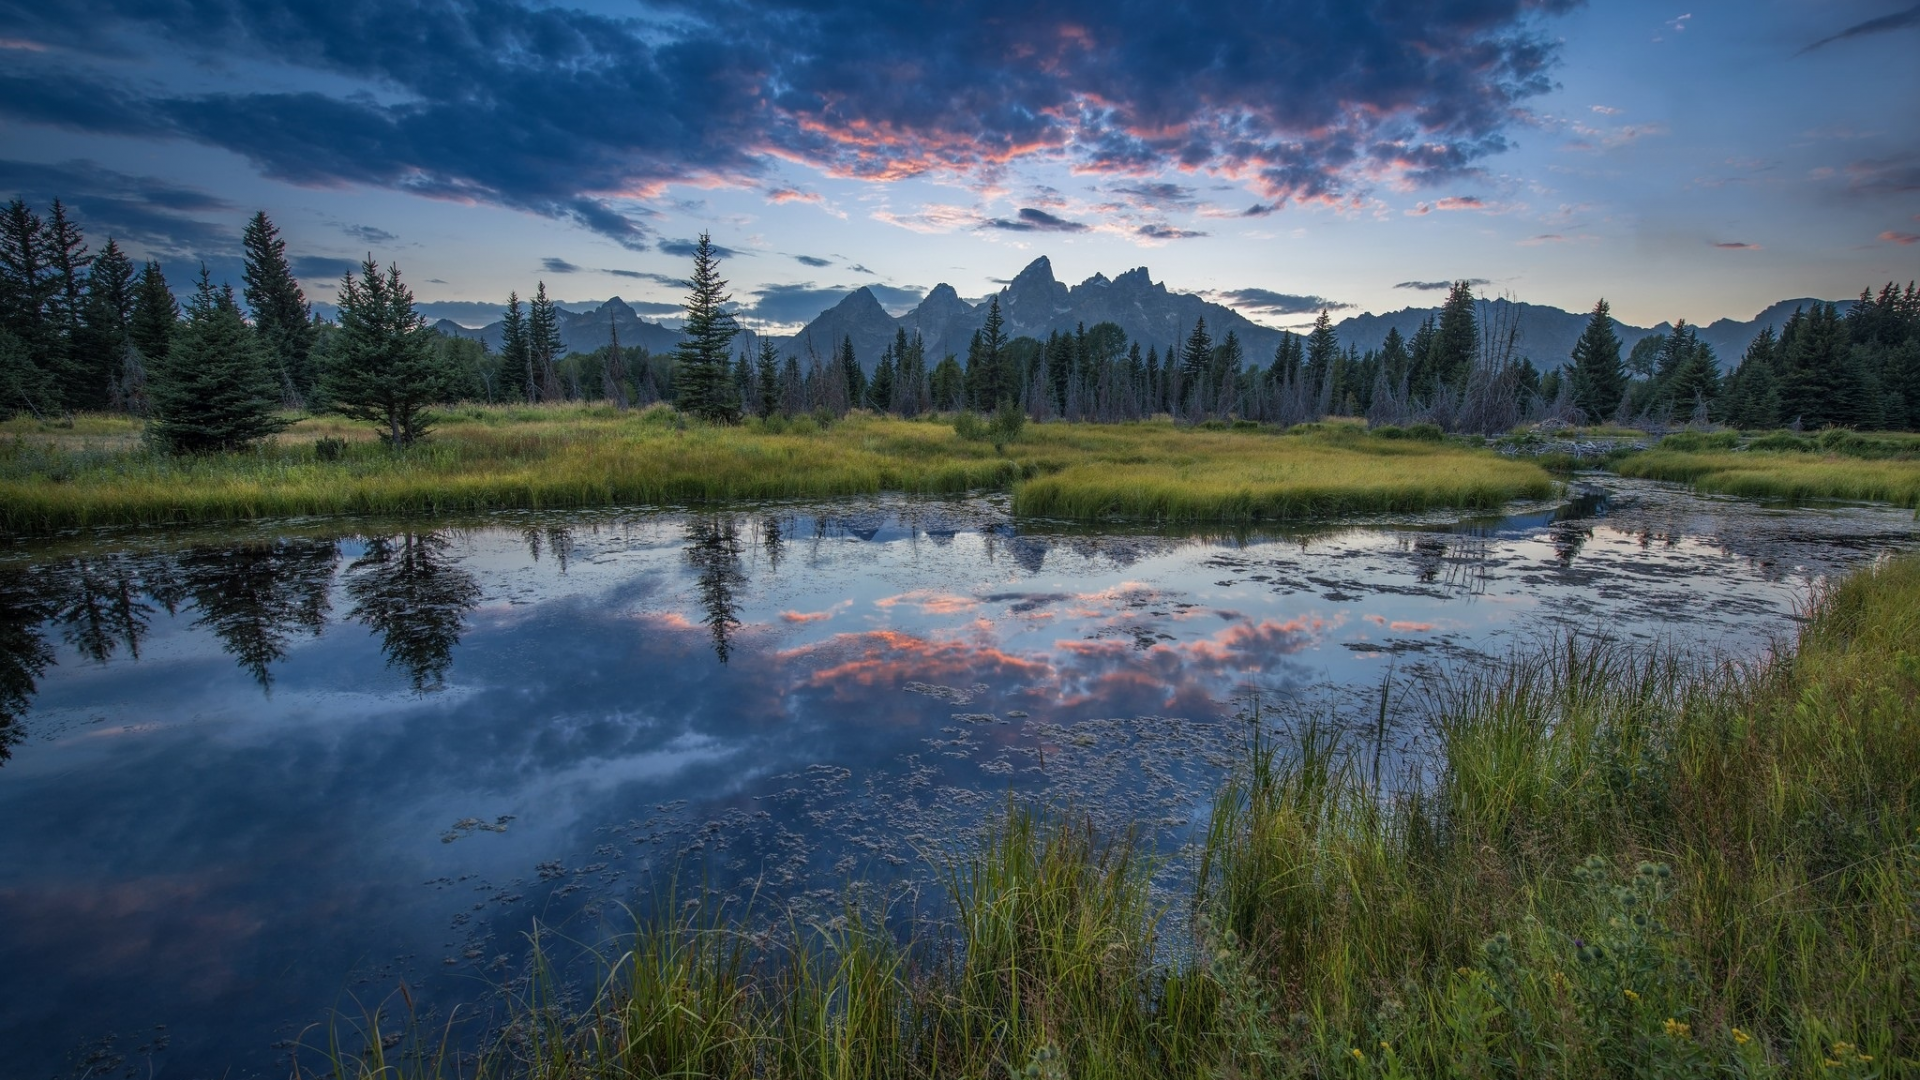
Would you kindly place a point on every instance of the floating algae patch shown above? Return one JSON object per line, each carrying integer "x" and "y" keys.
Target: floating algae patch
{"x": 231, "y": 756}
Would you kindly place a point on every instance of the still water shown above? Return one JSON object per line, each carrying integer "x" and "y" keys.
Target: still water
{"x": 253, "y": 775}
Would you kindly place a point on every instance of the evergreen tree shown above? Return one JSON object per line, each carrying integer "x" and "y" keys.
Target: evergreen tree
{"x": 706, "y": 337}
{"x": 27, "y": 288}
{"x": 848, "y": 369}
{"x": 1456, "y": 338}
{"x": 1752, "y": 392}
{"x": 1688, "y": 375}
{"x": 382, "y": 367}
{"x": 880, "y": 389}
{"x": 156, "y": 319}
{"x": 67, "y": 263}
{"x": 947, "y": 385}
{"x": 1395, "y": 362}
{"x": 215, "y": 390}
{"x": 1599, "y": 380}
{"x": 544, "y": 347}
{"x": 613, "y": 371}
{"x": 999, "y": 384}
{"x": 516, "y": 351}
{"x": 101, "y": 350}
{"x": 767, "y": 377}
{"x": 1195, "y": 358}
{"x": 1322, "y": 347}
{"x": 281, "y": 315}
{"x": 1422, "y": 380}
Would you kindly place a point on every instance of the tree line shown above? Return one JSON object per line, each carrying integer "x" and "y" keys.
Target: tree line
{"x": 83, "y": 331}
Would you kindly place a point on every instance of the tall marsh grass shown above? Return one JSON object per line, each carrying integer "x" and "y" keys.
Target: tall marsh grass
{"x": 1624, "y": 863}
{"x": 1836, "y": 464}
{"x": 547, "y": 457}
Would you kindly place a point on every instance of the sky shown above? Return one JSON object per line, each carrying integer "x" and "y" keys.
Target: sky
{"x": 1681, "y": 159}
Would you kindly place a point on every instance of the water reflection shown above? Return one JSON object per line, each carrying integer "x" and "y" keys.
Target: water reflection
{"x": 713, "y": 550}
{"x": 24, "y": 654}
{"x": 895, "y": 670}
{"x": 257, "y": 598}
{"x": 408, "y": 590}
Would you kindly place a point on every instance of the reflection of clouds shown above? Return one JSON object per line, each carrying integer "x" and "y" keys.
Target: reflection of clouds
{"x": 1410, "y": 627}
{"x": 930, "y": 602}
{"x": 802, "y": 617}
{"x": 889, "y": 659}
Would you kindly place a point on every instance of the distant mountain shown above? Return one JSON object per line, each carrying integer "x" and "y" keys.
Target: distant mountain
{"x": 1548, "y": 334}
{"x": 1033, "y": 304}
{"x": 584, "y": 331}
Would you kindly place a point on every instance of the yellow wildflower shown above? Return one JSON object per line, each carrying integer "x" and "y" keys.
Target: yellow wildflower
{"x": 1677, "y": 1030}
{"x": 1631, "y": 996}
{"x": 1741, "y": 1038}
{"x": 1357, "y": 1055}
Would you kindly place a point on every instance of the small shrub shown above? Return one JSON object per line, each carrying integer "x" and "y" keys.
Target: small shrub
{"x": 1008, "y": 423}
{"x": 1246, "y": 425}
{"x": 329, "y": 448}
{"x": 1426, "y": 433}
{"x": 1694, "y": 442}
{"x": 1390, "y": 431}
{"x": 1782, "y": 441}
{"x": 970, "y": 427}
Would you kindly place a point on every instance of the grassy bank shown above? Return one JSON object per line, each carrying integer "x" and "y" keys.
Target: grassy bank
{"x": 97, "y": 472}
{"x": 1834, "y": 465}
{"x": 1627, "y": 866}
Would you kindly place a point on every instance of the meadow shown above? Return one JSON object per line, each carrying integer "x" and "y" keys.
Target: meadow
{"x": 1624, "y": 862}
{"x": 1837, "y": 464}
{"x": 98, "y": 471}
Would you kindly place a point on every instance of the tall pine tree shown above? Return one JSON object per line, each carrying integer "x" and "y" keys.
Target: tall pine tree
{"x": 215, "y": 390}
{"x": 516, "y": 353}
{"x": 702, "y": 382}
{"x": 1599, "y": 380}
{"x": 382, "y": 366}
{"x": 544, "y": 347}
{"x": 101, "y": 350}
{"x": 280, "y": 313}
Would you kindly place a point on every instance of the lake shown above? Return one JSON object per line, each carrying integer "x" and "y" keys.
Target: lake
{"x": 258, "y": 773}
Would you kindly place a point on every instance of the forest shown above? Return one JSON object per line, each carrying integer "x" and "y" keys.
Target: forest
{"x": 87, "y": 331}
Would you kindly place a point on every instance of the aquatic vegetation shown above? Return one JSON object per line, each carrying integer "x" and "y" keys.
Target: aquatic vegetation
{"x": 545, "y": 457}
{"x": 1624, "y": 864}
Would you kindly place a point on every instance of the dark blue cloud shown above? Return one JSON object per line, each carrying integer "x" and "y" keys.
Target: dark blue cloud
{"x": 812, "y": 260}
{"x": 323, "y": 268}
{"x": 1166, "y": 232}
{"x": 685, "y": 249}
{"x": 1899, "y": 20}
{"x": 1031, "y": 220}
{"x": 553, "y": 265}
{"x": 1266, "y": 301}
{"x": 155, "y": 214}
{"x": 788, "y": 304}
{"x": 1158, "y": 194}
{"x": 585, "y": 117}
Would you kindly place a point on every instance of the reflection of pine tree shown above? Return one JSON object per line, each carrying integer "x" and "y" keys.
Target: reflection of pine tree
{"x": 256, "y": 597}
{"x": 102, "y": 605}
{"x": 410, "y": 592}
{"x": 713, "y": 548}
{"x": 24, "y": 654}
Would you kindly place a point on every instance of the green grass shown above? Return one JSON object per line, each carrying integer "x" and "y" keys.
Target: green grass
{"x": 1629, "y": 864}
{"x": 97, "y": 471}
{"x": 1815, "y": 472}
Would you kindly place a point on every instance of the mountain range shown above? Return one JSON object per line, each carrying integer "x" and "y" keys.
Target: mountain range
{"x": 1035, "y": 303}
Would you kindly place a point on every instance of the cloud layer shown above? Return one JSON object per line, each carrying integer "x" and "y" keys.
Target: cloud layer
{"x": 586, "y": 117}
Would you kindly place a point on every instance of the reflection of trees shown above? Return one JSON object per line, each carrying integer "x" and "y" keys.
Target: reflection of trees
{"x": 410, "y": 592}
{"x": 255, "y": 597}
{"x": 103, "y": 603}
{"x": 24, "y": 654}
{"x": 557, "y": 539}
{"x": 774, "y": 541}
{"x": 713, "y": 549}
